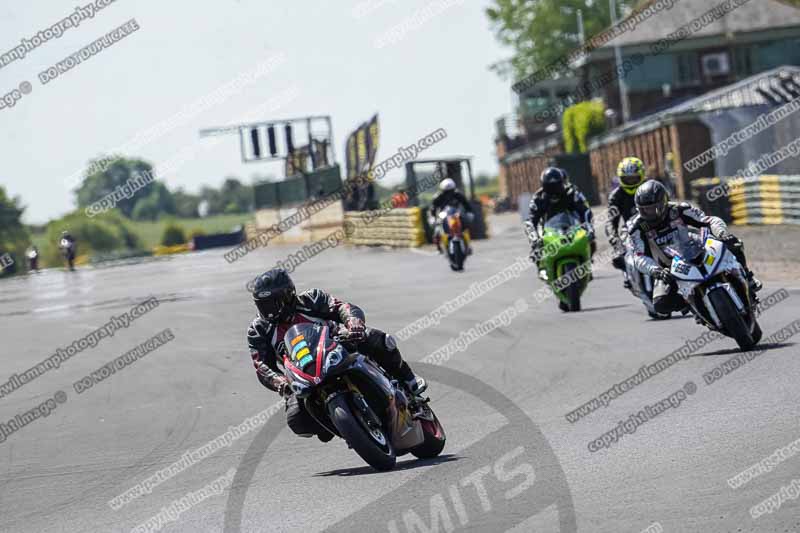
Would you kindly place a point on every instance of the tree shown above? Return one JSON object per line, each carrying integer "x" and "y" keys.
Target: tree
{"x": 236, "y": 197}
{"x": 158, "y": 201}
{"x": 14, "y": 237}
{"x": 544, "y": 31}
{"x": 186, "y": 204}
{"x": 173, "y": 234}
{"x": 106, "y": 174}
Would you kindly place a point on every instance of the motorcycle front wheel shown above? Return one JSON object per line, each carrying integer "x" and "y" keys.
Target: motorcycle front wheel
{"x": 434, "y": 441}
{"x": 371, "y": 443}
{"x": 457, "y": 257}
{"x": 733, "y": 323}
{"x": 573, "y": 291}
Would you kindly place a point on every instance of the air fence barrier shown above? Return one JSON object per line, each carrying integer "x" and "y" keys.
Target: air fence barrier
{"x": 767, "y": 199}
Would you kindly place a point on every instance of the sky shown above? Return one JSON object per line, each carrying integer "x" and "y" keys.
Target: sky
{"x": 420, "y": 64}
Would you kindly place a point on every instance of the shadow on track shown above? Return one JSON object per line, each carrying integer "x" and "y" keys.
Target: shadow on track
{"x": 603, "y": 308}
{"x": 733, "y": 351}
{"x": 405, "y": 465}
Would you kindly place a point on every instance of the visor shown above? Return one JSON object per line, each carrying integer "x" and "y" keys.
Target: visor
{"x": 273, "y": 308}
{"x": 553, "y": 189}
{"x": 630, "y": 181}
{"x": 651, "y": 213}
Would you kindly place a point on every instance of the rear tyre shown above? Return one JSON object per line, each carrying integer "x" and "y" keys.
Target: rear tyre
{"x": 434, "y": 439}
{"x": 573, "y": 291}
{"x": 735, "y": 326}
{"x": 371, "y": 444}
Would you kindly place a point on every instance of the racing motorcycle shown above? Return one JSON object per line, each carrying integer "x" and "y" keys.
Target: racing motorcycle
{"x": 641, "y": 285}
{"x": 565, "y": 264}
{"x": 68, "y": 251}
{"x": 33, "y": 259}
{"x": 455, "y": 238}
{"x": 353, "y": 398}
{"x": 714, "y": 285}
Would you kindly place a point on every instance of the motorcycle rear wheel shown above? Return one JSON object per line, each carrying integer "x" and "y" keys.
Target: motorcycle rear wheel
{"x": 735, "y": 326}
{"x": 365, "y": 442}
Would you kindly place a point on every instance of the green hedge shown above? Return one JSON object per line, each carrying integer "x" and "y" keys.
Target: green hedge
{"x": 580, "y": 122}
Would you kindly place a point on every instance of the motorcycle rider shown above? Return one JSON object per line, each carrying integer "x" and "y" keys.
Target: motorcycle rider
{"x": 280, "y": 308}
{"x": 67, "y": 249}
{"x": 621, "y": 206}
{"x": 32, "y": 254}
{"x": 555, "y": 196}
{"x": 660, "y": 224}
{"x": 449, "y": 195}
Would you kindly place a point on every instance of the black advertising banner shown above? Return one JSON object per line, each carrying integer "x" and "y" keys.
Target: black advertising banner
{"x": 362, "y": 148}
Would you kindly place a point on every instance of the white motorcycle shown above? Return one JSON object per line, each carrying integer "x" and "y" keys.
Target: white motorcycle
{"x": 714, "y": 285}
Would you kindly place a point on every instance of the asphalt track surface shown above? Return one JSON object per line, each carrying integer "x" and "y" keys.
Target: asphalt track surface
{"x": 512, "y": 462}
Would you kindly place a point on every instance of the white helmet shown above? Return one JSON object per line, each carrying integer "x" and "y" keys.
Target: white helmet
{"x": 447, "y": 184}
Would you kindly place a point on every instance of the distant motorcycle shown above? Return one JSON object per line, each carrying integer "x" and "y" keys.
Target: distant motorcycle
{"x": 455, "y": 238}
{"x": 353, "y": 398}
{"x": 714, "y": 285}
{"x": 68, "y": 251}
{"x": 567, "y": 256}
{"x": 33, "y": 259}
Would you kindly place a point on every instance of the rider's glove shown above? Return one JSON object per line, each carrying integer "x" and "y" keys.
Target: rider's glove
{"x": 618, "y": 261}
{"x": 730, "y": 239}
{"x": 356, "y": 329}
{"x": 663, "y": 274}
{"x": 282, "y": 386}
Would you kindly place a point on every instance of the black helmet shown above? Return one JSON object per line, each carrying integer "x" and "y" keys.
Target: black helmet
{"x": 651, "y": 200}
{"x": 274, "y": 295}
{"x": 553, "y": 183}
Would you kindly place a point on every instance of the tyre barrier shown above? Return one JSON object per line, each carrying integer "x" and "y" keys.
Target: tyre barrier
{"x": 758, "y": 200}
{"x": 399, "y": 227}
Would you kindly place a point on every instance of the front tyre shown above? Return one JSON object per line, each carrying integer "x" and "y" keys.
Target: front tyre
{"x": 573, "y": 291}
{"x": 434, "y": 441}
{"x": 732, "y": 322}
{"x": 457, "y": 257}
{"x": 370, "y": 443}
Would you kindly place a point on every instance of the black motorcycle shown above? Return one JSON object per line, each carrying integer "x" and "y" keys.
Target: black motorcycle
{"x": 353, "y": 398}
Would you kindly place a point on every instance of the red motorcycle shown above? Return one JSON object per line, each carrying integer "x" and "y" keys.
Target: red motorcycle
{"x": 353, "y": 398}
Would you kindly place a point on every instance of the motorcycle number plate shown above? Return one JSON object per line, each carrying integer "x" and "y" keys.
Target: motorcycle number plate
{"x": 682, "y": 268}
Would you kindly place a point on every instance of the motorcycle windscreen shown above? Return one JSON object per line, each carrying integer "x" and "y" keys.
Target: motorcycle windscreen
{"x": 562, "y": 222}
{"x": 301, "y": 343}
{"x": 690, "y": 250}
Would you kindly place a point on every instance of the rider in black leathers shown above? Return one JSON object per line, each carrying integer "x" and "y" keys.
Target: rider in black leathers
{"x": 661, "y": 224}
{"x": 556, "y": 196}
{"x": 280, "y": 308}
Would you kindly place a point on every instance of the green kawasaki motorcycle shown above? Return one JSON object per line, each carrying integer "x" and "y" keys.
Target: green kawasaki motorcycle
{"x": 565, "y": 259}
